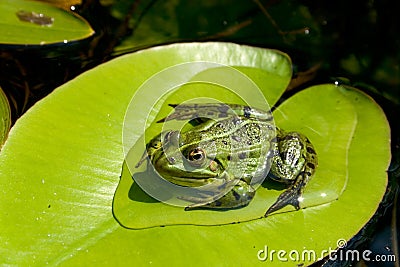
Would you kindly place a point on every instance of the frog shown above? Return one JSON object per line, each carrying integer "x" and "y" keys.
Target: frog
{"x": 230, "y": 145}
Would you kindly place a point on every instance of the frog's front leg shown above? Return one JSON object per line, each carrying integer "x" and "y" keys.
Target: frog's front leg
{"x": 294, "y": 161}
{"x": 239, "y": 196}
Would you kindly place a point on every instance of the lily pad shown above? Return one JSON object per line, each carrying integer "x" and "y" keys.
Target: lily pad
{"x": 33, "y": 23}
{"x": 5, "y": 117}
{"x": 62, "y": 163}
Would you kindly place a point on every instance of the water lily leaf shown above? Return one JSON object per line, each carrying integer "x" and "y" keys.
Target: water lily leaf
{"x": 5, "y": 117}
{"x": 62, "y": 163}
{"x": 34, "y": 23}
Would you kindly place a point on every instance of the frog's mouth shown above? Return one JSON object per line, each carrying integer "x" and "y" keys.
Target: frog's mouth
{"x": 190, "y": 181}
{"x": 192, "y": 178}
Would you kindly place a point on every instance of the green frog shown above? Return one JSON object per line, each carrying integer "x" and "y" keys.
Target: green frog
{"x": 230, "y": 146}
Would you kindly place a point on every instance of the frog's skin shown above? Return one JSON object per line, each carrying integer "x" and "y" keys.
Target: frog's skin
{"x": 242, "y": 135}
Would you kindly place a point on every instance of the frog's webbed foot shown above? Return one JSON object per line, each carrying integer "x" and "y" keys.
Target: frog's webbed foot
{"x": 240, "y": 196}
{"x": 289, "y": 197}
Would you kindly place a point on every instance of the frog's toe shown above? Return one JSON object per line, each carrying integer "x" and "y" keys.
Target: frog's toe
{"x": 289, "y": 197}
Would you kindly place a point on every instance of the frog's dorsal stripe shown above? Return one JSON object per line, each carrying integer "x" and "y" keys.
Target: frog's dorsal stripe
{"x": 215, "y": 111}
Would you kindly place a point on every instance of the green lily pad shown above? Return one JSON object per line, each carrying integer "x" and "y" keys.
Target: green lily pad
{"x": 5, "y": 117}
{"x": 34, "y": 23}
{"x": 62, "y": 163}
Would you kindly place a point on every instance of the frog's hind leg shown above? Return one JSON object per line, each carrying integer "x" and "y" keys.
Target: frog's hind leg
{"x": 292, "y": 195}
{"x": 240, "y": 196}
{"x": 215, "y": 111}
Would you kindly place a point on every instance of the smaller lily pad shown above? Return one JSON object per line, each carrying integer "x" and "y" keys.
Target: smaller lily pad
{"x": 5, "y": 117}
{"x": 34, "y": 23}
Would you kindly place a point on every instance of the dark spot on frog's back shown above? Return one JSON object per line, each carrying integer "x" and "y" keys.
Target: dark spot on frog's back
{"x": 310, "y": 165}
{"x": 223, "y": 111}
{"x": 223, "y": 108}
{"x": 218, "y": 203}
{"x": 236, "y": 195}
{"x": 289, "y": 137}
{"x": 308, "y": 173}
{"x": 222, "y": 115}
{"x": 236, "y": 120}
{"x": 310, "y": 150}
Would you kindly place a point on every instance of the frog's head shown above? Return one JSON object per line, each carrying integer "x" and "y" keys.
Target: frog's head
{"x": 184, "y": 160}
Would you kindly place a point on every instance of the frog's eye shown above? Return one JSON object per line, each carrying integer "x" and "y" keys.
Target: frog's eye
{"x": 197, "y": 157}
